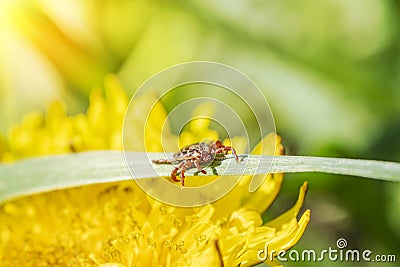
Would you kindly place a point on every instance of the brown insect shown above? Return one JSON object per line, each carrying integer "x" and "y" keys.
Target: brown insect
{"x": 198, "y": 155}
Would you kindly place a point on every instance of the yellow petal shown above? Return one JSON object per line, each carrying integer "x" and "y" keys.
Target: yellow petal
{"x": 116, "y": 97}
{"x": 292, "y": 213}
{"x": 201, "y": 115}
{"x": 211, "y": 257}
{"x": 261, "y": 198}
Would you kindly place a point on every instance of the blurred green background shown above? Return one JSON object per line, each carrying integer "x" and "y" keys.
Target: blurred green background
{"x": 330, "y": 70}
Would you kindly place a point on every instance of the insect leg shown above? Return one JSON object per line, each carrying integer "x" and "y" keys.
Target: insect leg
{"x": 174, "y": 172}
{"x": 161, "y": 161}
{"x": 173, "y": 175}
{"x": 185, "y": 165}
{"x": 197, "y": 164}
{"x": 228, "y": 148}
{"x": 183, "y": 177}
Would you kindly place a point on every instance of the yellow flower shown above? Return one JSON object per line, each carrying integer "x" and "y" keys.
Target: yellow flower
{"x": 99, "y": 128}
{"x": 117, "y": 224}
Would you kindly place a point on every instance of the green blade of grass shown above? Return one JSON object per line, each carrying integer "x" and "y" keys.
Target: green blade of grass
{"x": 62, "y": 171}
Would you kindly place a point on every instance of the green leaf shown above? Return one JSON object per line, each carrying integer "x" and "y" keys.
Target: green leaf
{"x": 62, "y": 171}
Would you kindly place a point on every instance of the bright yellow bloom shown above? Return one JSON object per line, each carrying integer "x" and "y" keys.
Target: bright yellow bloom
{"x": 117, "y": 224}
{"x": 55, "y": 132}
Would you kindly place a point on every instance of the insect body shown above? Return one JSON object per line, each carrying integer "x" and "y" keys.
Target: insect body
{"x": 198, "y": 155}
